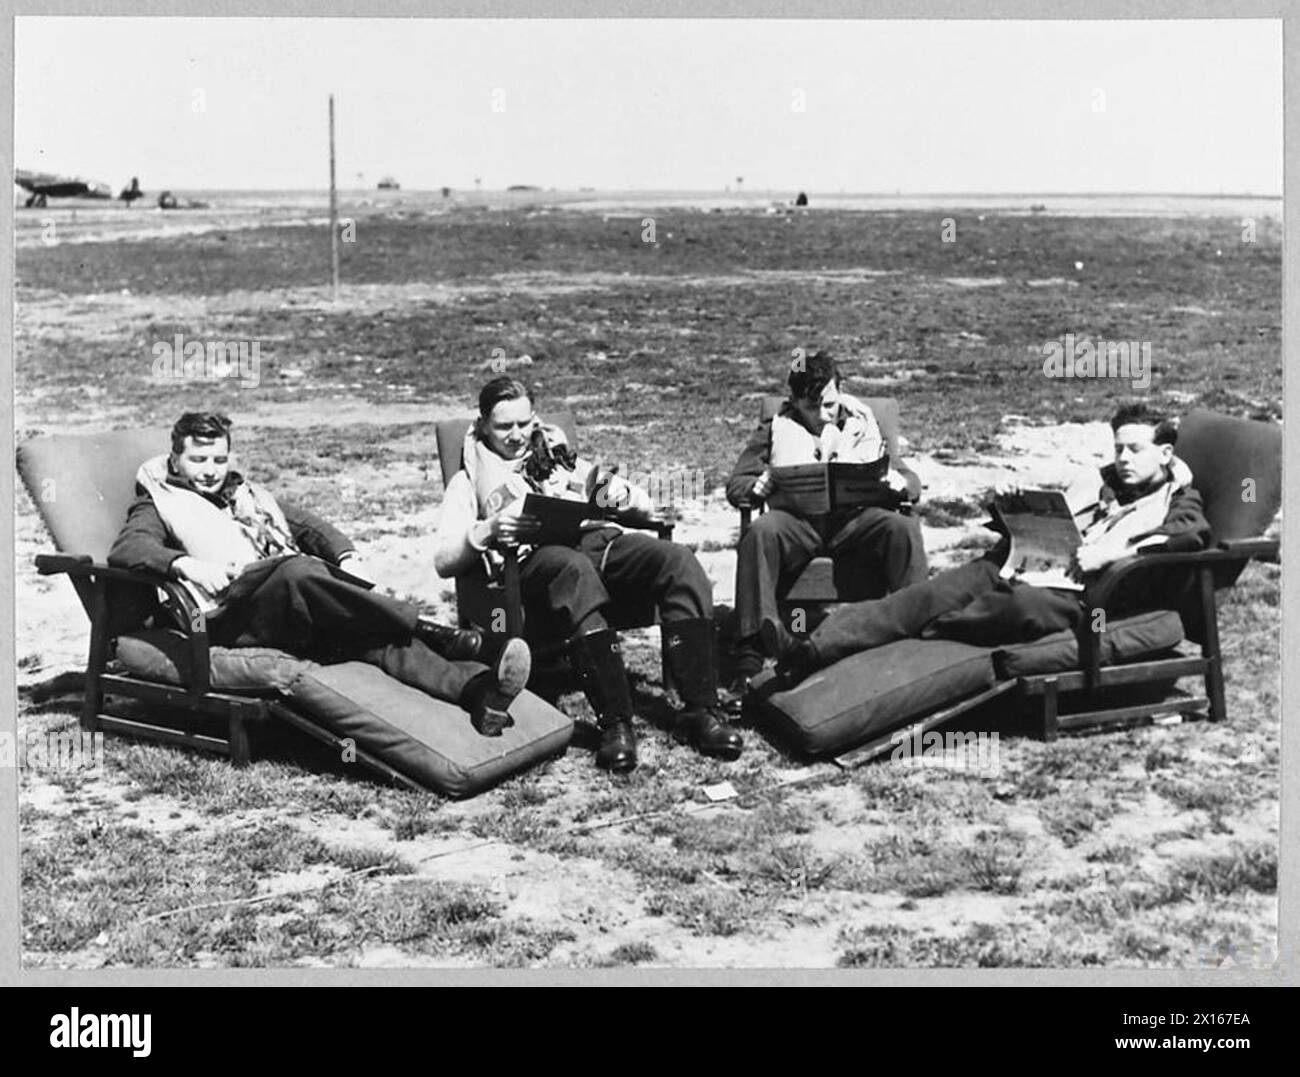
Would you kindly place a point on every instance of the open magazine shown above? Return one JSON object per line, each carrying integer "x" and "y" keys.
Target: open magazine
{"x": 1044, "y": 538}
{"x": 817, "y": 489}
{"x": 561, "y": 520}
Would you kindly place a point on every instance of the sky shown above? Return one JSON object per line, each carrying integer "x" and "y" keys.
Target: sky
{"x": 859, "y": 106}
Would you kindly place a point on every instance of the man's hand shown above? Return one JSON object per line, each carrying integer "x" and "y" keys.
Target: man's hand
{"x": 209, "y": 575}
{"x": 1008, "y": 488}
{"x": 1094, "y": 556}
{"x": 896, "y": 480}
{"x": 762, "y": 487}
{"x": 510, "y": 528}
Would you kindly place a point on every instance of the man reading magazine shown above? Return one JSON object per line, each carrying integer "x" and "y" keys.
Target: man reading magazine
{"x": 817, "y": 424}
{"x": 1145, "y": 500}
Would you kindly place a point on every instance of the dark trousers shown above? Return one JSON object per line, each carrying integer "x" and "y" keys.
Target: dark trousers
{"x": 969, "y": 603}
{"x": 566, "y": 588}
{"x": 877, "y": 543}
{"x": 298, "y": 605}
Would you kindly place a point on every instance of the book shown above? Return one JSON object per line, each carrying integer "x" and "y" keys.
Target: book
{"x": 561, "y": 520}
{"x": 818, "y": 489}
{"x": 1044, "y": 538}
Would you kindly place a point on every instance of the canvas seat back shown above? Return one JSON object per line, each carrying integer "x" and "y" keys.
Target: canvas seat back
{"x": 83, "y": 484}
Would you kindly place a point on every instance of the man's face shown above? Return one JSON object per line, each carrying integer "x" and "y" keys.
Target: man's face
{"x": 509, "y": 427}
{"x": 203, "y": 463}
{"x": 1138, "y": 459}
{"x": 818, "y": 412}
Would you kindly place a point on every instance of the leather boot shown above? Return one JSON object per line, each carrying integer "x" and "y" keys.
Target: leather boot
{"x": 488, "y": 696}
{"x": 599, "y": 663}
{"x": 454, "y": 644}
{"x": 689, "y": 647}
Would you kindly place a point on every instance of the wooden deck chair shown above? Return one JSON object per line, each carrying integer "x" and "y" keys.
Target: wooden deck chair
{"x": 1069, "y": 681}
{"x": 822, "y": 582}
{"x": 480, "y": 601}
{"x": 1237, "y": 468}
{"x": 82, "y": 486}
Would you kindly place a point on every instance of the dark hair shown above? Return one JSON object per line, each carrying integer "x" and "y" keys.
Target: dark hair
{"x": 499, "y": 389}
{"x": 809, "y": 377}
{"x": 202, "y": 426}
{"x": 1166, "y": 426}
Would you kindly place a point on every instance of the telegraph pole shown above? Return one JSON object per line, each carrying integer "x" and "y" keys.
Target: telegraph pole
{"x": 334, "y": 211}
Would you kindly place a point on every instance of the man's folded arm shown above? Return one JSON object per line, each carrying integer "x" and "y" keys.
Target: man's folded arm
{"x": 142, "y": 544}
{"x": 1185, "y": 528}
{"x": 750, "y": 465}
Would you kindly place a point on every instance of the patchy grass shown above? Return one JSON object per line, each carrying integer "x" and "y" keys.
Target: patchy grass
{"x": 1128, "y": 849}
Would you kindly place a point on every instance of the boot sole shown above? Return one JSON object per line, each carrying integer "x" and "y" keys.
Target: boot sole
{"x": 716, "y": 753}
{"x": 513, "y": 667}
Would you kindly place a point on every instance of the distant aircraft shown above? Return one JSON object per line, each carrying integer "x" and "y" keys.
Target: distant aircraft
{"x": 131, "y": 193}
{"x": 42, "y": 186}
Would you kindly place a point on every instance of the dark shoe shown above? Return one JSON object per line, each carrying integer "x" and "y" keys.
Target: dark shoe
{"x": 690, "y": 654}
{"x": 708, "y": 734}
{"x": 490, "y": 694}
{"x": 598, "y": 661}
{"x": 617, "y": 751}
{"x": 454, "y": 644}
{"x": 746, "y": 663}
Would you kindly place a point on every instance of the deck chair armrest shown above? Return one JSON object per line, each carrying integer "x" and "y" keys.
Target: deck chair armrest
{"x": 1259, "y": 549}
{"x": 1099, "y": 593}
{"x": 662, "y": 528}
{"x": 191, "y": 621}
{"x": 55, "y": 564}
{"x": 179, "y": 601}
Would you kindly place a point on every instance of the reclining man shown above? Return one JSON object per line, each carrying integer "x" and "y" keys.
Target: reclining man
{"x": 817, "y": 424}
{"x": 271, "y": 575}
{"x": 1145, "y": 502}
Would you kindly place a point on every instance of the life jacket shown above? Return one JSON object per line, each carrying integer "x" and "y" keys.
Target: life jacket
{"x": 499, "y": 482}
{"x": 251, "y": 526}
{"x": 853, "y": 438}
{"x": 1111, "y": 519}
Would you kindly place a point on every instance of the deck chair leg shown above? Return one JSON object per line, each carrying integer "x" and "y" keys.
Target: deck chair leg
{"x": 1210, "y": 647}
{"x": 1050, "y": 726}
{"x": 93, "y": 699}
{"x": 238, "y": 734}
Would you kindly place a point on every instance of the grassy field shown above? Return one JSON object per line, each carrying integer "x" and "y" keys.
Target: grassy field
{"x": 1154, "y": 846}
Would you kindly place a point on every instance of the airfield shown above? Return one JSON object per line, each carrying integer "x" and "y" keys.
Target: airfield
{"x": 1146, "y": 848}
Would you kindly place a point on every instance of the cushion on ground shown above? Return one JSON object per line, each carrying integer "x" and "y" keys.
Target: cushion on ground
{"x": 162, "y": 654}
{"x": 1126, "y": 640}
{"x": 869, "y": 694}
{"x": 426, "y": 739}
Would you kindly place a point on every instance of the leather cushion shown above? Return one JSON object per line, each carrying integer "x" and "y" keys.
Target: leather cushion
{"x": 427, "y": 739}
{"x": 1123, "y": 641}
{"x": 161, "y": 654}
{"x": 873, "y": 692}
